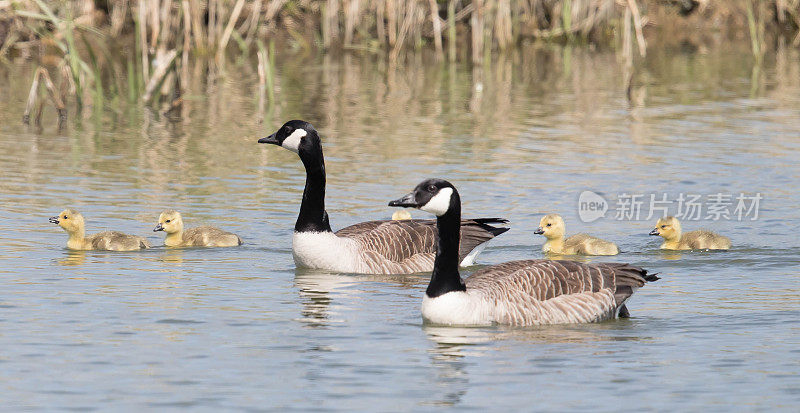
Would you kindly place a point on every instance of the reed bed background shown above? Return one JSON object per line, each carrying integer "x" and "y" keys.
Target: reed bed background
{"x": 95, "y": 53}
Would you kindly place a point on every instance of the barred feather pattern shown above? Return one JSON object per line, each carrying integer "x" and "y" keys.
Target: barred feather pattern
{"x": 409, "y": 246}
{"x": 385, "y": 247}
{"x": 536, "y": 292}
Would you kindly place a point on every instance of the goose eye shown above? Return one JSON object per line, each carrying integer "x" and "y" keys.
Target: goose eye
{"x": 167, "y": 221}
{"x": 288, "y": 129}
{"x": 431, "y": 188}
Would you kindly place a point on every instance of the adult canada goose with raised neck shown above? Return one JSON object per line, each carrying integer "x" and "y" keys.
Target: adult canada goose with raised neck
{"x": 553, "y": 228}
{"x": 528, "y": 292}
{"x": 669, "y": 228}
{"x": 73, "y": 223}
{"x": 372, "y": 247}
{"x": 171, "y": 222}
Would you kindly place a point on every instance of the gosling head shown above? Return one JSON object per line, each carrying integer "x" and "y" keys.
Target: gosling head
{"x": 169, "y": 221}
{"x": 295, "y": 135}
{"x": 69, "y": 220}
{"x": 667, "y": 227}
{"x": 551, "y": 226}
{"x": 401, "y": 215}
{"x": 436, "y": 196}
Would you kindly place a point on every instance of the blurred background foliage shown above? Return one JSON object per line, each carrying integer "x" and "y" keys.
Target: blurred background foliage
{"x": 99, "y": 53}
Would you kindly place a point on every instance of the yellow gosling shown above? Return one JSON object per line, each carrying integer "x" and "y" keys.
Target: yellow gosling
{"x": 670, "y": 229}
{"x": 73, "y": 223}
{"x": 401, "y": 215}
{"x": 553, "y": 228}
{"x": 171, "y": 222}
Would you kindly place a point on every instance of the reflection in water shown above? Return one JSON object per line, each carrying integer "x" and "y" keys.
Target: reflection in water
{"x": 456, "y": 348}
{"x": 318, "y": 288}
{"x": 173, "y": 255}
{"x": 670, "y": 254}
{"x": 315, "y": 289}
{"x": 74, "y": 257}
{"x": 449, "y": 358}
{"x": 523, "y": 134}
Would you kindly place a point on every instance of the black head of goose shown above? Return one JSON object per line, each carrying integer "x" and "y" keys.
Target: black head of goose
{"x": 372, "y": 247}
{"x": 527, "y": 292}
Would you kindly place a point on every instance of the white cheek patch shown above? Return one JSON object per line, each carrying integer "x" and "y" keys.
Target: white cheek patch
{"x": 292, "y": 142}
{"x": 439, "y": 204}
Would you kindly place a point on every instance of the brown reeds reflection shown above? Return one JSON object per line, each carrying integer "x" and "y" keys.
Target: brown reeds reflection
{"x": 534, "y": 100}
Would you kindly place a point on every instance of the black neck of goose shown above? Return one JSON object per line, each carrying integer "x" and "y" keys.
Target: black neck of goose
{"x": 312, "y": 217}
{"x": 445, "y": 277}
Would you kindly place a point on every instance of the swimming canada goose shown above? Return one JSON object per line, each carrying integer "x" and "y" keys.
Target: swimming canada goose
{"x": 553, "y": 228}
{"x": 72, "y": 221}
{"x": 528, "y": 292}
{"x": 373, "y": 247}
{"x": 171, "y": 222}
{"x": 670, "y": 229}
{"x": 401, "y": 215}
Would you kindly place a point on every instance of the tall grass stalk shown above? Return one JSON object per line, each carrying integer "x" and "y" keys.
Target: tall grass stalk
{"x": 202, "y": 30}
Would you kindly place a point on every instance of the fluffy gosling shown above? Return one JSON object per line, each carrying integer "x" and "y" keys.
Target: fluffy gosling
{"x": 171, "y": 222}
{"x": 670, "y": 229}
{"x": 73, "y": 223}
{"x": 553, "y": 228}
{"x": 401, "y": 215}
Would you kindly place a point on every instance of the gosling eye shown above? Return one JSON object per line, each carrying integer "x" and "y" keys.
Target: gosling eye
{"x": 167, "y": 221}
{"x": 431, "y": 188}
{"x": 549, "y": 224}
{"x": 65, "y": 217}
{"x": 663, "y": 226}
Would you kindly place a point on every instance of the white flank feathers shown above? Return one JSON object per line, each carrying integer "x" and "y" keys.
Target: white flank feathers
{"x": 457, "y": 308}
{"x": 324, "y": 250}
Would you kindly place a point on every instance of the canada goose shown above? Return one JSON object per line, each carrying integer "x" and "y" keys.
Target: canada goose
{"x": 553, "y": 228}
{"x": 171, "y": 222}
{"x": 373, "y": 247}
{"x": 401, "y": 215}
{"x": 529, "y": 292}
{"x": 670, "y": 229}
{"x": 72, "y": 221}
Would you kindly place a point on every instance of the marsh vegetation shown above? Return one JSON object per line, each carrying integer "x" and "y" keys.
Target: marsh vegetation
{"x": 99, "y": 54}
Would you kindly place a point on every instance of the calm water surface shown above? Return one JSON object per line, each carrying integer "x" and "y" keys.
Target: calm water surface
{"x": 241, "y": 328}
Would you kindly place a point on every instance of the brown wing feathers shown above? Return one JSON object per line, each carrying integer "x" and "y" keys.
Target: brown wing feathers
{"x": 398, "y": 241}
{"x": 543, "y": 280}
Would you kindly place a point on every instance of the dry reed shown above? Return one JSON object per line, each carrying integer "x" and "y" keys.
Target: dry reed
{"x": 163, "y": 30}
